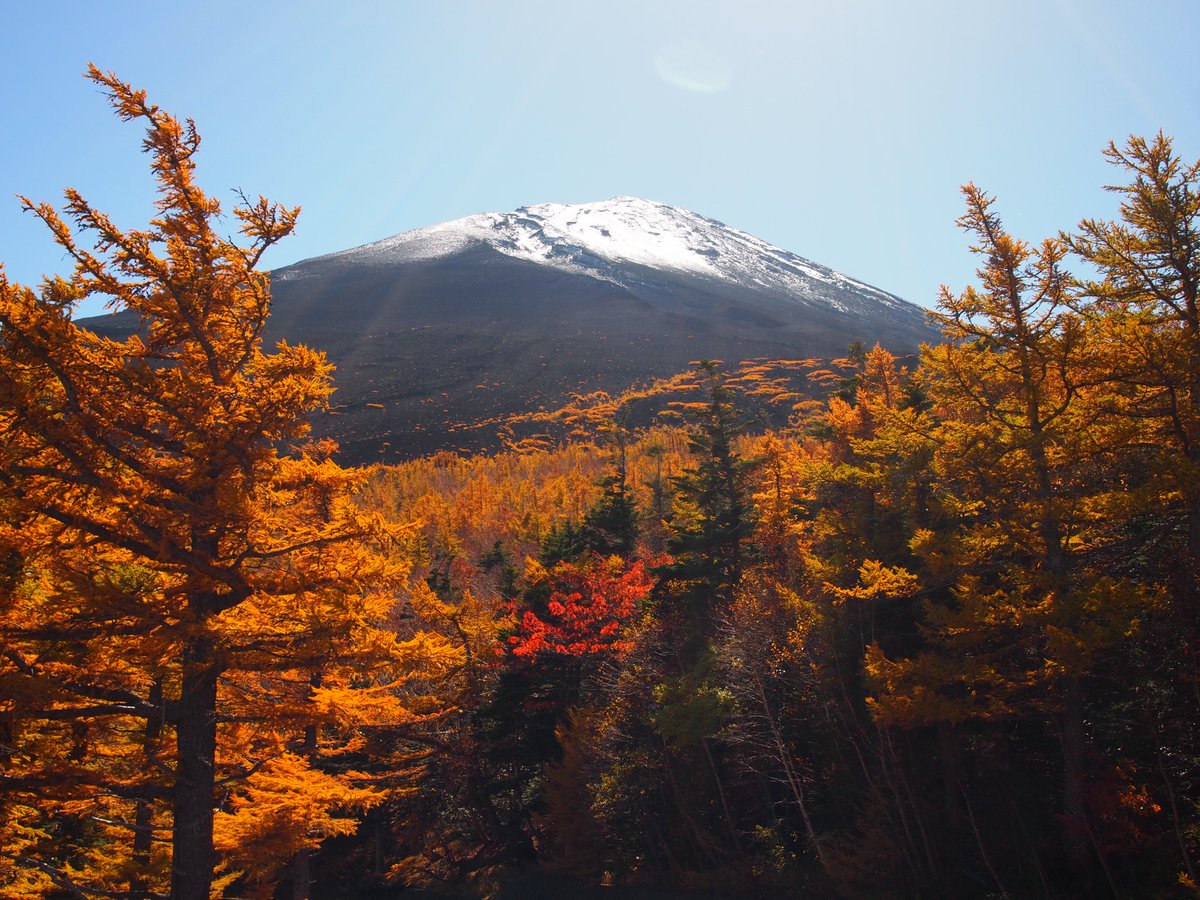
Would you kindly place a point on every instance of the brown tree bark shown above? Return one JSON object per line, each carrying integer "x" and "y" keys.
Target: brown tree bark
{"x": 194, "y": 856}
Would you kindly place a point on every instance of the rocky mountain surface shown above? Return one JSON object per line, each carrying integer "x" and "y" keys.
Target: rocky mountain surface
{"x": 439, "y": 332}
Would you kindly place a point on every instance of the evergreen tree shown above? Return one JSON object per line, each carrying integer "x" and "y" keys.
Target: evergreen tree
{"x": 611, "y": 525}
{"x": 712, "y": 514}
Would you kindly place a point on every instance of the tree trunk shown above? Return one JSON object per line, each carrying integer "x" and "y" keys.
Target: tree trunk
{"x": 1175, "y": 820}
{"x": 953, "y": 792}
{"x": 143, "y": 823}
{"x": 193, "y": 856}
{"x": 302, "y": 879}
{"x": 302, "y": 874}
{"x": 712, "y": 765}
{"x": 1074, "y": 796}
{"x": 795, "y": 783}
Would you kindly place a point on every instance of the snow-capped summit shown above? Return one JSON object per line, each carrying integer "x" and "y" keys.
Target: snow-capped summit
{"x": 605, "y": 239}
{"x": 438, "y": 334}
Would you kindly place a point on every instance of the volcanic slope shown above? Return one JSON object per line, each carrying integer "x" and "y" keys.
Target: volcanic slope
{"x": 438, "y": 330}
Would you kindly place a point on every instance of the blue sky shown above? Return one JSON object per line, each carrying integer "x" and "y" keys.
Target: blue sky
{"x": 840, "y": 130}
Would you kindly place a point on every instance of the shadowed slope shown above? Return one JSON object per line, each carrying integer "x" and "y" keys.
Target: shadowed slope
{"x": 427, "y": 348}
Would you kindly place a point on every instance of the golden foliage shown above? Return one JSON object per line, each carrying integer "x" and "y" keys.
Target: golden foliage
{"x": 180, "y": 561}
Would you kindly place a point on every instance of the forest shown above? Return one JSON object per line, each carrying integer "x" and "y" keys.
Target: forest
{"x": 862, "y": 627}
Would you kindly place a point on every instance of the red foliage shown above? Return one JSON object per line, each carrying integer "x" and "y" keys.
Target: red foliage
{"x": 593, "y": 602}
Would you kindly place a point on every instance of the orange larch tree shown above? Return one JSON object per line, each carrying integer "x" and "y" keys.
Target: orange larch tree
{"x": 176, "y": 571}
{"x": 1147, "y": 308}
{"x": 1144, "y": 314}
{"x": 1016, "y": 466}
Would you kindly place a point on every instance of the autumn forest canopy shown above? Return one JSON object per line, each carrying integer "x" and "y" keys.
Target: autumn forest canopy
{"x": 930, "y": 629}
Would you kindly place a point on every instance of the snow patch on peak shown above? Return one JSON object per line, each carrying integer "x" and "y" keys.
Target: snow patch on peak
{"x": 599, "y": 239}
{"x": 631, "y": 230}
{"x": 430, "y": 242}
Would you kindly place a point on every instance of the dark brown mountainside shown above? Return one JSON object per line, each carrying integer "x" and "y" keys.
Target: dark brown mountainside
{"x": 438, "y": 333}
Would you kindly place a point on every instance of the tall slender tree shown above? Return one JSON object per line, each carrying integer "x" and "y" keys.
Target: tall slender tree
{"x": 1147, "y": 303}
{"x": 713, "y": 513}
{"x": 1015, "y": 450}
{"x": 1144, "y": 313}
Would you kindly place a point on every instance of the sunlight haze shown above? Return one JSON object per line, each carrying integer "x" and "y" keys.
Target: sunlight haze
{"x": 841, "y": 132}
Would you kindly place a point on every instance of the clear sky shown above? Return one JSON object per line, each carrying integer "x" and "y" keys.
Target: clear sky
{"x": 840, "y": 129}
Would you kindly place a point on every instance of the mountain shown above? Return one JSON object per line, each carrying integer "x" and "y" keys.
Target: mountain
{"x": 437, "y": 330}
